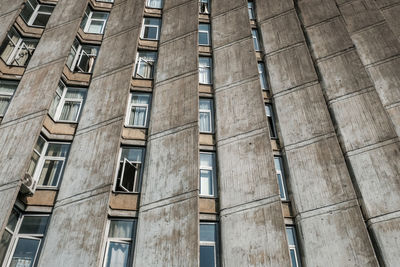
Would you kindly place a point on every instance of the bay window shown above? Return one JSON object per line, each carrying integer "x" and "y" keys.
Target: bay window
{"x": 293, "y": 247}
{"x": 35, "y": 14}
{"x": 204, "y": 6}
{"x": 261, "y": 75}
{"x": 138, "y": 110}
{"x": 151, "y": 29}
{"x": 130, "y": 170}
{"x": 204, "y": 34}
{"x": 271, "y": 120}
{"x": 250, "y": 7}
{"x": 154, "y": 4}
{"x": 82, "y": 57}
{"x": 256, "y": 39}
{"x": 94, "y": 21}
{"x": 281, "y": 177}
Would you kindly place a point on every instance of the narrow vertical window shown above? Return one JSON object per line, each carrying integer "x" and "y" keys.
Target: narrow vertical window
{"x": 204, "y": 34}
{"x": 209, "y": 245}
{"x": 206, "y": 115}
{"x": 205, "y": 67}
{"x": 207, "y": 174}
{"x": 94, "y": 21}
{"x": 271, "y": 120}
{"x": 7, "y": 89}
{"x": 151, "y": 29}
{"x": 250, "y": 6}
{"x": 261, "y": 74}
{"x": 138, "y": 112}
{"x": 130, "y": 170}
{"x": 256, "y": 39}
{"x": 281, "y": 178}
{"x": 47, "y": 162}
{"x": 154, "y": 4}
{"x": 17, "y": 50}
{"x": 22, "y": 239}
{"x": 67, "y": 103}
{"x": 120, "y": 243}
{"x": 145, "y": 64}
{"x": 204, "y": 6}
{"x": 293, "y": 247}
{"x": 35, "y": 14}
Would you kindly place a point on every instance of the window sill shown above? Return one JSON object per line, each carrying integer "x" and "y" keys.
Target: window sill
{"x": 133, "y": 133}
{"x": 60, "y": 128}
{"x": 208, "y": 205}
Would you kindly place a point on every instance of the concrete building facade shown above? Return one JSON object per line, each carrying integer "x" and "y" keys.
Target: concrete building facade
{"x": 199, "y": 133}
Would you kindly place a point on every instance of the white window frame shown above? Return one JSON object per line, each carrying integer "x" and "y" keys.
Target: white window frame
{"x": 18, "y": 46}
{"x": 207, "y": 32}
{"x": 211, "y": 114}
{"x": 90, "y": 19}
{"x": 42, "y": 159}
{"x": 213, "y": 174}
{"x": 209, "y": 69}
{"x": 15, "y": 236}
{"x": 262, "y": 75}
{"x": 131, "y": 105}
{"x": 210, "y": 243}
{"x": 144, "y": 26}
{"x": 250, "y": 7}
{"x": 105, "y": 1}
{"x": 138, "y": 178}
{"x": 293, "y": 247}
{"x": 8, "y": 95}
{"x": 61, "y": 104}
{"x": 137, "y": 63}
{"x": 280, "y": 173}
{"x": 36, "y": 12}
{"x": 147, "y": 4}
{"x": 256, "y": 39}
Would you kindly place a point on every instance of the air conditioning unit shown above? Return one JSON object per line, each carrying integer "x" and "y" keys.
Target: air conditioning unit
{"x": 28, "y": 185}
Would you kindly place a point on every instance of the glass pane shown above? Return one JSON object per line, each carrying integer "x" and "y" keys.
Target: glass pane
{"x": 39, "y": 144}
{"x": 207, "y": 256}
{"x": 50, "y": 173}
{"x": 138, "y": 116}
{"x": 27, "y": 12}
{"x": 4, "y": 101}
{"x": 7, "y": 87}
{"x": 118, "y": 254}
{"x": 281, "y": 186}
{"x": 12, "y": 221}
{"x": 206, "y": 182}
{"x": 70, "y": 111}
{"x": 208, "y": 232}
{"x": 96, "y": 26}
{"x": 203, "y": 38}
{"x": 25, "y": 253}
{"x": 154, "y": 3}
{"x": 206, "y": 160}
{"x": 290, "y": 235}
{"x": 205, "y": 104}
{"x": 205, "y": 122}
{"x": 33, "y": 224}
{"x": 100, "y": 15}
{"x": 127, "y": 182}
{"x": 72, "y": 53}
{"x": 293, "y": 257}
{"x": 140, "y": 99}
{"x": 41, "y": 20}
{"x": 132, "y": 154}
{"x": 121, "y": 228}
{"x": 150, "y": 33}
{"x": 251, "y": 10}
{"x": 33, "y": 163}
{"x": 204, "y": 61}
{"x": 57, "y": 150}
{"x": 54, "y": 105}
{"x": 4, "y": 243}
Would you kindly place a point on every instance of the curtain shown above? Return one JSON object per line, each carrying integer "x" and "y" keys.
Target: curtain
{"x": 117, "y": 255}
{"x": 205, "y": 122}
{"x": 138, "y": 116}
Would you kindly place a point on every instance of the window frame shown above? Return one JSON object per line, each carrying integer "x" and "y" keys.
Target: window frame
{"x": 293, "y": 247}
{"x": 214, "y": 244}
{"x": 209, "y": 69}
{"x": 280, "y": 173}
{"x": 64, "y": 99}
{"x": 35, "y": 13}
{"x": 148, "y": 6}
{"x": 140, "y": 59}
{"x": 137, "y": 182}
{"x": 262, "y": 76}
{"x": 131, "y": 105}
{"x": 211, "y": 115}
{"x": 214, "y": 193}
{"x": 204, "y": 4}
{"x": 79, "y": 50}
{"x": 144, "y": 26}
{"x": 256, "y": 39}
{"x": 208, "y": 33}
{"x": 271, "y": 120}
{"x": 16, "y": 236}
{"x": 7, "y": 95}
{"x": 251, "y": 10}
{"x": 90, "y": 20}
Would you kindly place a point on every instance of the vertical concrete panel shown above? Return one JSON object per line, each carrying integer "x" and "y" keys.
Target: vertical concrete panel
{"x": 168, "y": 228}
{"x": 89, "y": 174}
{"x": 319, "y": 182}
{"x": 252, "y": 226}
{"x": 9, "y": 10}
{"x": 364, "y": 129}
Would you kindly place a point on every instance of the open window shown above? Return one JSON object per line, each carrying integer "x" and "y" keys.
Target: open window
{"x": 82, "y": 57}
{"x": 129, "y": 175}
{"x": 130, "y": 170}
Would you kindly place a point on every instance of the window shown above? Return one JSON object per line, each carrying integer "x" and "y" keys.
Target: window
{"x": 256, "y": 39}
{"x": 151, "y": 29}
{"x": 138, "y": 112}
{"x": 120, "y": 243}
{"x": 250, "y": 6}
{"x": 82, "y": 57}
{"x": 94, "y": 21}
{"x": 36, "y": 14}
{"x": 209, "y": 245}
{"x": 7, "y": 89}
{"x": 205, "y": 66}
{"x": 107, "y": 1}
{"x": 130, "y": 170}
{"x": 67, "y": 103}
{"x": 154, "y": 3}
{"x": 293, "y": 247}
{"x": 281, "y": 177}
{"x": 271, "y": 120}
{"x": 207, "y": 174}
{"x": 22, "y": 238}
{"x": 204, "y": 34}
{"x": 145, "y": 64}
{"x": 206, "y": 115}
{"x": 47, "y": 162}
{"x": 261, "y": 74}
{"x": 204, "y": 7}
{"x": 17, "y": 50}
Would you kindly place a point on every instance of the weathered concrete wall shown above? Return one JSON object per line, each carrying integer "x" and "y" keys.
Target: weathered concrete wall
{"x": 252, "y": 226}
{"x": 364, "y": 130}
{"x": 23, "y": 120}
{"x": 329, "y": 220}
{"x": 390, "y": 10}
{"x": 79, "y": 218}
{"x": 168, "y": 229}
{"x": 9, "y": 10}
